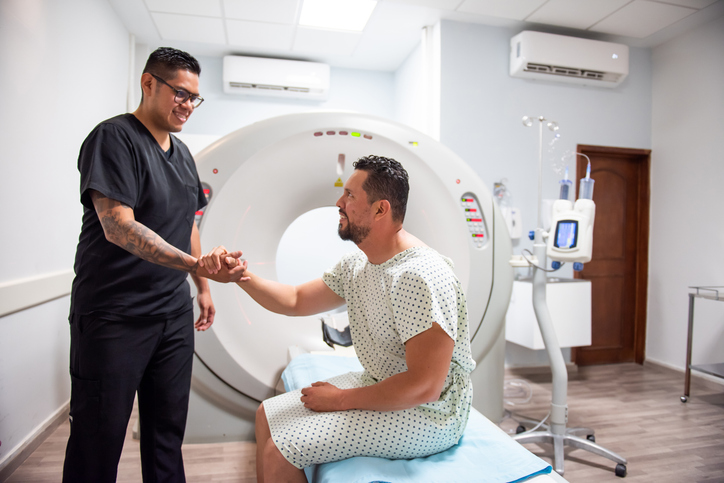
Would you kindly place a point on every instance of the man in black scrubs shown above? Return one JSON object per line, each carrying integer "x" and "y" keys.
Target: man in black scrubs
{"x": 131, "y": 316}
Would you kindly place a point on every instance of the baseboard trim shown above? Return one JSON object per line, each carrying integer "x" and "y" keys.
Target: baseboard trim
{"x": 32, "y": 442}
{"x": 694, "y": 373}
{"x": 536, "y": 370}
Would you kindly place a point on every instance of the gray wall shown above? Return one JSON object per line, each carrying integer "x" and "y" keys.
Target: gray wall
{"x": 481, "y": 113}
{"x": 687, "y": 206}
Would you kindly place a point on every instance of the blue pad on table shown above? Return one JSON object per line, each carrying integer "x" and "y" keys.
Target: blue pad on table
{"x": 485, "y": 453}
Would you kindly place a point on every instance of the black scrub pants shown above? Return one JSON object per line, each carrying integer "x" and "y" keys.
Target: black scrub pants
{"x": 109, "y": 361}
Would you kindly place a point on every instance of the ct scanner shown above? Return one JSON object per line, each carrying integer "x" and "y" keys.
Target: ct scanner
{"x": 261, "y": 178}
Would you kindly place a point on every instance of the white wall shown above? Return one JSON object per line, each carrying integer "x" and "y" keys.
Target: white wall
{"x": 687, "y": 215}
{"x": 417, "y": 85}
{"x": 63, "y": 69}
{"x": 410, "y": 106}
{"x": 351, "y": 90}
{"x": 482, "y": 107}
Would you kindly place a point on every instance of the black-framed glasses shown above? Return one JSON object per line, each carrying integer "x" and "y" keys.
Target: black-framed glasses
{"x": 181, "y": 95}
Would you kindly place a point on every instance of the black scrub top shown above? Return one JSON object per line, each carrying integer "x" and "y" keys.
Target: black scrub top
{"x": 123, "y": 161}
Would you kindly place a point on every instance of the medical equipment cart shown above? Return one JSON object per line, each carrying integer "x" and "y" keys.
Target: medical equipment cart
{"x": 711, "y": 293}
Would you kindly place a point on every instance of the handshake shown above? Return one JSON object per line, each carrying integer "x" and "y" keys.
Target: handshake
{"x": 222, "y": 266}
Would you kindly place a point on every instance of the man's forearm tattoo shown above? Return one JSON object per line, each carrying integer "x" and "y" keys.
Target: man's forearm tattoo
{"x": 145, "y": 243}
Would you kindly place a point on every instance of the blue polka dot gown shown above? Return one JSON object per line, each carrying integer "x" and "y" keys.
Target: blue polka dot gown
{"x": 387, "y": 304}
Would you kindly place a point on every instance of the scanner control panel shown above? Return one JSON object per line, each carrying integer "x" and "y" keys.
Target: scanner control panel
{"x": 474, "y": 219}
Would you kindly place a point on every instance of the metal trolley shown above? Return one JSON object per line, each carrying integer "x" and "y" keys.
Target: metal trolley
{"x": 711, "y": 293}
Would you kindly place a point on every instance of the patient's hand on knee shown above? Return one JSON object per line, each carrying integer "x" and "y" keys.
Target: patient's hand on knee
{"x": 323, "y": 397}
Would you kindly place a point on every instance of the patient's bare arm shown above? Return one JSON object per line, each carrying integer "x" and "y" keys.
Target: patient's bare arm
{"x": 306, "y": 299}
{"x": 428, "y": 357}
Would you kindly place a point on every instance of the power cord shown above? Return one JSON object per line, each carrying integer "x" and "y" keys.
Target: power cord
{"x": 538, "y": 267}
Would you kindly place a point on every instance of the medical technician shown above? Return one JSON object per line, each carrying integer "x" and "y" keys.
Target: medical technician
{"x": 408, "y": 320}
{"x": 131, "y": 316}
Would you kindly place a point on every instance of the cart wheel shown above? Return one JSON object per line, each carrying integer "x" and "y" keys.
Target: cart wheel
{"x": 591, "y": 438}
{"x": 520, "y": 429}
{"x": 620, "y": 470}
{"x": 684, "y": 399}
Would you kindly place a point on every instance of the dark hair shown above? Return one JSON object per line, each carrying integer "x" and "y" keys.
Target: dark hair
{"x": 386, "y": 180}
{"x": 165, "y": 62}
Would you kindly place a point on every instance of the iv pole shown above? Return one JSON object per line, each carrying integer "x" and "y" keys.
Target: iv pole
{"x": 556, "y": 433}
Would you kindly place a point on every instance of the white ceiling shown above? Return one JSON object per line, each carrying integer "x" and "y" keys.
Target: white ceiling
{"x": 269, "y": 27}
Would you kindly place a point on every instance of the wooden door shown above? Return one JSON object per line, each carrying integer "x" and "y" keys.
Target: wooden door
{"x": 618, "y": 270}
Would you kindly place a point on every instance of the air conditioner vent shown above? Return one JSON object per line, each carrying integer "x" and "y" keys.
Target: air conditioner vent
{"x": 255, "y": 76}
{"x": 558, "y": 58}
{"x": 569, "y": 72}
{"x": 246, "y": 85}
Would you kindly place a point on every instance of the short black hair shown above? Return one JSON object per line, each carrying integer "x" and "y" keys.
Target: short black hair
{"x": 165, "y": 62}
{"x": 386, "y": 180}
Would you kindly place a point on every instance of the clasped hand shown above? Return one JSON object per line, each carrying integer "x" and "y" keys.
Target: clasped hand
{"x": 222, "y": 266}
{"x": 322, "y": 397}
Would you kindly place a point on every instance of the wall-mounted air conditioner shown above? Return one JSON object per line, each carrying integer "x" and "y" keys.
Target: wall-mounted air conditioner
{"x": 557, "y": 58}
{"x": 274, "y": 77}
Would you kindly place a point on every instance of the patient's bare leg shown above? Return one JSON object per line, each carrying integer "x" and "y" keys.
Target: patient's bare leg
{"x": 261, "y": 430}
{"x": 271, "y": 465}
{"x": 278, "y": 469}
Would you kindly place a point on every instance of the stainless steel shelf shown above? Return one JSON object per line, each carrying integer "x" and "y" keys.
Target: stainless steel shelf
{"x": 713, "y": 369}
{"x": 717, "y": 369}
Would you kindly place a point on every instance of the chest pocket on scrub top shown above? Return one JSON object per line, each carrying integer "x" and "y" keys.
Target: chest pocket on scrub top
{"x": 192, "y": 200}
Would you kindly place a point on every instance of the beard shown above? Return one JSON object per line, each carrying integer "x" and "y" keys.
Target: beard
{"x": 354, "y": 233}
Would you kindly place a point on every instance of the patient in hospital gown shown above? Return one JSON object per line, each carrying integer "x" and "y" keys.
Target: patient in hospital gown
{"x": 387, "y": 304}
{"x": 409, "y": 327}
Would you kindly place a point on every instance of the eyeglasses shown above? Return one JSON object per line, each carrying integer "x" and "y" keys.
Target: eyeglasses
{"x": 181, "y": 96}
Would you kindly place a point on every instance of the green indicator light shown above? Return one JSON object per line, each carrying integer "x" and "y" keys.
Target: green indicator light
{"x": 468, "y": 219}
{"x": 355, "y": 134}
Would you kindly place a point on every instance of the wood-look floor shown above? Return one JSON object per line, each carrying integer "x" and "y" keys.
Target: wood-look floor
{"x": 635, "y": 411}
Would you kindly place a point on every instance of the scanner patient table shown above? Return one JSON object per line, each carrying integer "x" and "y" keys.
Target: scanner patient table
{"x": 485, "y": 453}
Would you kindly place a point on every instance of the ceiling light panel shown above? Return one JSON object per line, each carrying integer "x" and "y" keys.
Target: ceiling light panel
{"x": 189, "y": 28}
{"x": 393, "y": 32}
{"x": 517, "y": 10}
{"x": 575, "y": 13}
{"x": 326, "y": 42}
{"x": 271, "y": 11}
{"x": 351, "y": 15}
{"x": 641, "y": 18}
{"x": 441, "y": 4}
{"x": 259, "y": 35}
{"x": 206, "y": 8}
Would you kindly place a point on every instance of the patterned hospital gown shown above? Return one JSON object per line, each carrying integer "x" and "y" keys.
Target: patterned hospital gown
{"x": 387, "y": 305}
